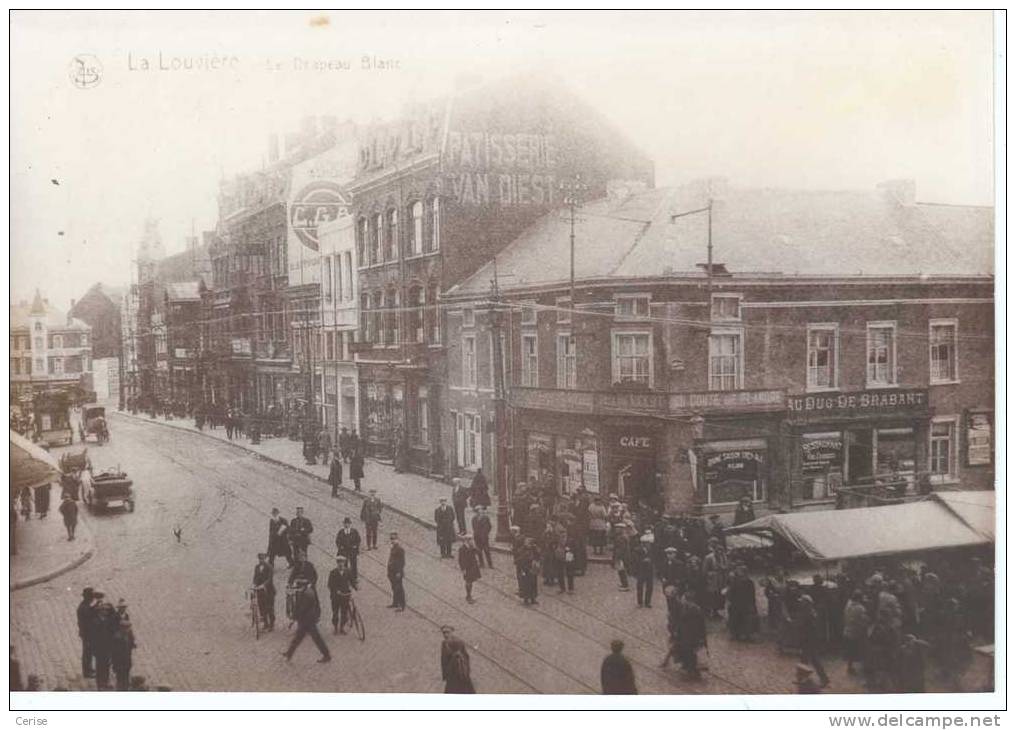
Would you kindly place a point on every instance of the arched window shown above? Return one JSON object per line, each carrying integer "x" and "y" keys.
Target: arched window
{"x": 415, "y": 317}
{"x": 392, "y": 235}
{"x": 378, "y": 234}
{"x": 362, "y": 236}
{"x": 435, "y": 224}
{"x": 416, "y": 232}
{"x": 432, "y": 316}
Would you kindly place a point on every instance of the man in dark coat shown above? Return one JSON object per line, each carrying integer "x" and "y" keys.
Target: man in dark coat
{"x": 69, "y": 512}
{"x": 460, "y": 500}
{"x": 341, "y": 584}
{"x": 106, "y": 625}
{"x": 616, "y": 674}
{"x": 691, "y": 634}
{"x": 300, "y": 529}
{"x": 481, "y": 533}
{"x": 123, "y": 646}
{"x": 528, "y": 565}
{"x": 86, "y": 631}
{"x": 518, "y": 543}
{"x": 642, "y": 565}
{"x": 396, "y": 573}
{"x": 264, "y": 583}
{"x": 455, "y": 664}
{"x": 810, "y": 633}
{"x": 479, "y": 494}
{"x": 278, "y": 540}
{"x": 303, "y": 570}
{"x": 469, "y": 564}
{"x": 307, "y": 613}
{"x": 742, "y": 613}
{"x": 347, "y": 544}
{"x": 370, "y": 514}
{"x": 42, "y": 494}
{"x": 672, "y": 569}
{"x": 335, "y": 476}
{"x": 444, "y": 518}
{"x": 356, "y": 468}
{"x": 344, "y": 443}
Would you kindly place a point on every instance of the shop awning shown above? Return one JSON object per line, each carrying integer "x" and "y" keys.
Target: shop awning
{"x": 869, "y": 531}
{"x": 976, "y": 509}
{"x": 31, "y": 466}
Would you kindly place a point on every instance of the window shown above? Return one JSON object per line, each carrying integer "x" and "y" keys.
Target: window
{"x": 348, "y": 272}
{"x": 632, "y": 358}
{"x": 468, "y": 317}
{"x": 942, "y": 449}
{"x": 725, "y": 361}
{"x": 58, "y": 341}
{"x": 528, "y": 312}
{"x": 38, "y": 326}
{"x": 631, "y": 307}
{"x": 942, "y": 335}
{"x": 726, "y": 306}
{"x": 391, "y": 317}
{"x": 339, "y": 282}
{"x": 327, "y": 283}
{"x": 392, "y": 235}
{"x": 435, "y": 225}
{"x": 881, "y": 354}
{"x": 415, "y": 315}
{"x": 564, "y": 310}
{"x": 377, "y": 317}
{"x": 530, "y": 361}
{"x": 565, "y": 361}
{"x": 40, "y": 365}
{"x": 365, "y": 317}
{"x": 57, "y": 365}
{"x": 468, "y": 432}
{"x": 822, "y": 357}
{"x": 38, "y": 344}
{"x": 469, "y": 361}
{"x": 433, "y": 316}
{"x": 423, "y": 415}
{"x": 28, "y": 366}
{"x": 378, "y": 234}
{"x": 362, "y": 237}
{"x": 416, "y": 232}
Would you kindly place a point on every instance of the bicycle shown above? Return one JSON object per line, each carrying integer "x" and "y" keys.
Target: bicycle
{"x": 255, "y": 610}
{"x": 357, "y": 620}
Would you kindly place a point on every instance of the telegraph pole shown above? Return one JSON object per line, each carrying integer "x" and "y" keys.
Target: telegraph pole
{"x": 502, "y": 472}
{"x": 573, "y": 190}
{"x": 708, "y": 210}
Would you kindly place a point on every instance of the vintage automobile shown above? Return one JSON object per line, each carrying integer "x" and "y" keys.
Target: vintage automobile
{"x": 108, "y": 488}
{"x": 52, "y": 416}
{"x": 93, "y": 423}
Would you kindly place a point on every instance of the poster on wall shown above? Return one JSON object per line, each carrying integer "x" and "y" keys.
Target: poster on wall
{"x": 591, "y": 470}
{"x": 979, "y": 429}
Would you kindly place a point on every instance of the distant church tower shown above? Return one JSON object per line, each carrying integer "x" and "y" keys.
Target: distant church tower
{"x": 150, "y": 250}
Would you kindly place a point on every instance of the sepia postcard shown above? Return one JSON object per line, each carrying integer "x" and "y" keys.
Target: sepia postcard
{"x": 514, "y": 353}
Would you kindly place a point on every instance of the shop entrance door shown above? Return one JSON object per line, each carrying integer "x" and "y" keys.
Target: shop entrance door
{"x": 860, "y": 459}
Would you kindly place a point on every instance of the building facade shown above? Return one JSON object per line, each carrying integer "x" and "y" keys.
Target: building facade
{"x": 689, "y": 387}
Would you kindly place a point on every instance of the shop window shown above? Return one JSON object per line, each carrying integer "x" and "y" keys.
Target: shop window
{"x": 416, "y": 231}
{"x": 725, "y": 361}
{"x": 633, "y": 358}
{"x": 564, "y": 310}
{"x": 566, "y": 361}
{"x": 469, "y": 440}
{"x": 423, "y": 415}
{"x": 530, "y": 361}
{"x": 631, "y": 307}
{"x": 577, "y": 464}
{"x": 733, "y": 470}
{"x": 942, "y": 449}
{"x": 468, "y": 317}
{"x": 726, "y": 306}
{"x": 943, "y": 351}
{"x": 881, "y": 354}
{"x": 895, "y": 459}
{"x": 540, "y": 456}
{"x": 469, "y": 361}
{"x": 822, "y": 360}
{"x": 435, "y": 224}
{"x": 821, "y": 465}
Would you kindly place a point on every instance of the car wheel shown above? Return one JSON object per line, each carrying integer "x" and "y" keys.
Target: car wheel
{"x": 130, "y": 505}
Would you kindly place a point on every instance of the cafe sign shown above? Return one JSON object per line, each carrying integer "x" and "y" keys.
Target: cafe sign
{"x": 858, "y": 403}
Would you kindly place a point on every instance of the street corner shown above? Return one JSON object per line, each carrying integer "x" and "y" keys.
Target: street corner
{"x": 44, "y": 551}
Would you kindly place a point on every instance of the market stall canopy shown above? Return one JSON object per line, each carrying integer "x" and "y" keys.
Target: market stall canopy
{"x": 31, "y": 466}
{"x": 976, "y": 509}
{"x": 869, "y": 531}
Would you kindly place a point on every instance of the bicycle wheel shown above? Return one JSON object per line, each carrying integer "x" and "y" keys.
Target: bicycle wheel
{"x": 255, "y": 614}
{"x": 361, "y": 630}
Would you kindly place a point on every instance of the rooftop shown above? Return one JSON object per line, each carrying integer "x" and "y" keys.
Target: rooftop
{"x": 55, "y": 319}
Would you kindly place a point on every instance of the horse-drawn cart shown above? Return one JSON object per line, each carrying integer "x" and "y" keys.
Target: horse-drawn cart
{"x": 93, "y": 424}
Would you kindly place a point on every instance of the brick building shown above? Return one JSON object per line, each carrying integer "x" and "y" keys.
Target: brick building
{"x": 841, "y": 344}
{"x": 436, "y": 194}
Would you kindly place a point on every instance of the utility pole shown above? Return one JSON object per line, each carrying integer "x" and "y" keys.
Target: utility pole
{"x": 502, "y": 472}
{"x": 708, "y": 210}
{"x": 573, "y": 190}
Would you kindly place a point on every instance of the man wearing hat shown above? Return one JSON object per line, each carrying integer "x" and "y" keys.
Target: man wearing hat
{"x": 672, "y": 569}
{"x": 469, "y": 564}
{"x": 691, "y": 634}
{"x": 264, "y": 584}
{"x": 460, "y": 500}
{"x": 307, "y": 613}
{"x": 455, "y": 664}
{"x": 347, "y": 544}
{"x": 341, "y": 584}
{"x": 642, "y": 566}
{"x": 106, "y": 624}
{"x": 444, "y": 518}
{"x": 86, "y": 631}
{"x": 300, "y": 529}
{"x": 370, "y": 515}
{"x": 396, "y": 573}
{"x": 123, "y": 646}
{"x": 303, "y": 569}
{"x": 69, "y": 511}
{"x": 481, "y": 533}
{"x": 278, "y": 542}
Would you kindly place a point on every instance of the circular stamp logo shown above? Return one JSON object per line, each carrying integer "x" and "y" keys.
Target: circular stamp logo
{"x": 85, "y": 71}
{"x": 317, "y": 202}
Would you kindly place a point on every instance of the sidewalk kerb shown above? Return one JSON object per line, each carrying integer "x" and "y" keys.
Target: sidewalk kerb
{"x": 65, "y": 568}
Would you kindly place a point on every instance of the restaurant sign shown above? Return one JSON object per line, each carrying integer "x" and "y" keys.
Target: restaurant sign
{"x": 858, "y": 403}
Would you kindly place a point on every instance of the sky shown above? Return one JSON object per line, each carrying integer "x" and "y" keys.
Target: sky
{"x": 823, "y": 100}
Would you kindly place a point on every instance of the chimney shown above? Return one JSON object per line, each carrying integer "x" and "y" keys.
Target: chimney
{"x": 901, "y": 193}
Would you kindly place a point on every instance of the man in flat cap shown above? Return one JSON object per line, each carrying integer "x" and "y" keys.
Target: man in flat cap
{"x": 396, "y": 573}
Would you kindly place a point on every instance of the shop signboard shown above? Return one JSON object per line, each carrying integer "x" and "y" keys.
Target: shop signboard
{"x": 241, "y": 346}
{"x": 979, "y": 441}
{"x": 860, "y": 403}
{"x": 731, "y": 400}
{"x": 730, "y": 475}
